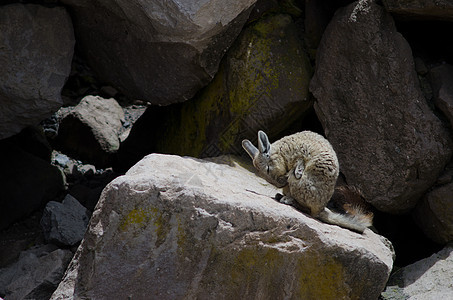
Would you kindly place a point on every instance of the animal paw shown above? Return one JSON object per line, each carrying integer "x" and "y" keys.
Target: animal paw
{"x": 299, "y": 170}
{"x": 278, "y": 196}
{"x": 287, "y": 200}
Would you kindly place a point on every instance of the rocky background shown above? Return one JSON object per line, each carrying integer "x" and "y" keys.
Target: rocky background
{"x": 88, "y": 88}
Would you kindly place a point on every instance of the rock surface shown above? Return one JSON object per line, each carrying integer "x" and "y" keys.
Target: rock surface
{"x": 441, "y": 79}
{"x": 434, "y": 213}
{"x": 421, "y": 9}
{"x": 35, "y": 275}
{"x": 430, "y": 278}
{"x": 161, "y": 52}
{"x": 37, "y": 45}
{"x": 262, "y": 84}
{"x": 28, "y": 182}
{"x": 176, "y": 227}
{"x": 64, "y": 223}
{"x": 91, "y": 130}
{"x": 389, "y": 143}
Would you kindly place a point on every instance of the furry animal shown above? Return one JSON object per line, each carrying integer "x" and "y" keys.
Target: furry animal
{"x": 305, "y": 165}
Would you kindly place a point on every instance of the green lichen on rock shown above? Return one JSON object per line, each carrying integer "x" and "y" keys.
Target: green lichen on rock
{"x": 137, "y": 218}
{"x": 322, "y": 279}
{"x": 140, "y": 218}
{"x": 262, "y": 83}
{"x": 188, "y": 126}
{"x": 256, "y": 270}
{"x": 268, "y": 78}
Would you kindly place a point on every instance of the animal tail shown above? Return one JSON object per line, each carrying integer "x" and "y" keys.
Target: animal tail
{"x": 356, "y": 219}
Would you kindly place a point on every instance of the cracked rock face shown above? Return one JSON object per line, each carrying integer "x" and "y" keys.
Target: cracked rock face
{"x": 176, "y": 227}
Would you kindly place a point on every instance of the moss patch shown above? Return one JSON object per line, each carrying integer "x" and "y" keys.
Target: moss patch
{"x": 140, "y": 218}
{"x": 271, "y": 273}
{"x": 322, "y": 279}
{"x": 262, "y": 83}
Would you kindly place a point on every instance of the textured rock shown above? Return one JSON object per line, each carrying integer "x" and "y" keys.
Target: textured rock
{"x": 262, "y": 85}
{"x": 430, "y": 278}
{"x": 161, "y": 52}
{"x": 317, "y": 17}
{"x": 37, "y": 46}
{"x": 28, "y": 182}
{"x": 19, "y": 237}
{"x": 441, "y": 78}
{"x": 176, "y": 228}
{"x": 91, "y": 130}
{"x": 389, "y": 143}
{"x": 33, "y": 140}
{"x": 421, "y": 9}
{"x": 434, "y": 213}
{"x": 65, "y": 223}
{"x": 36, "y": 274}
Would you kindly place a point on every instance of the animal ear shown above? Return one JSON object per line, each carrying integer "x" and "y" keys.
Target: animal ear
{"x": 263, "y": 143}
{"x": 249, "y": 148}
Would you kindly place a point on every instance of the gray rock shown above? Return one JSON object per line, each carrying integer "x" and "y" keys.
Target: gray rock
{"x": 87, "y": 170}
{"x": 161, "y": 52}
{"x": 262, "y": 84}
{"x": 33, "y": 140}
{"x": 37, "y": 45}
{"x": 434, "y": 214}
{"x": 429, "y": 278}
{"x": 421, "y": 9}
{"x": 19, "y": 237}
{"x": 441, "y": 78}
{"x": 389, "y": 143}
{"x": 175, "y": 228}
{"x": 35, "y": 275}
{"x": 65, "y": 223}
{"x": 28, "y": 183}
{"x": 317, "y": 17}
{"x": 60, "y": 159}
{"x": 90, "y": 131}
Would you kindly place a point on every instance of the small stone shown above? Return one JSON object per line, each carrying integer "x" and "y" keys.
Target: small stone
{"x": 65, "y": 223}
{"x": 61, "y": 159}
{"x": 87, "y": 170}
{"x": 90, "y": 131}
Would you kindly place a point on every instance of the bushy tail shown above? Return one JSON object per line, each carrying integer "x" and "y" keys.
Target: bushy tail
{"x": 357, "y": 221}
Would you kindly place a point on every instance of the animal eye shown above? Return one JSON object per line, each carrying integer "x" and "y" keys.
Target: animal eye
{"x": 267, "y": 170}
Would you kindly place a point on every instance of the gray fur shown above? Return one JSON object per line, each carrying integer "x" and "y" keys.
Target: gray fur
{"x": 306, "y": 167}
{"x": 249, "y": 148}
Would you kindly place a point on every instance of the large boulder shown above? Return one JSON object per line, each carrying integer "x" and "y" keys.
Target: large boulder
{"x": 262, "y": 84}
{"x": 429, "y": 278}
{"x": 37, "y": 45}
{"x": 389, "y": 143}
{"x": 176, "y": 228}
{"x": 421, "y": 9}
{"x": 91, "y": 130}
{"x": 161, "y": 52}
